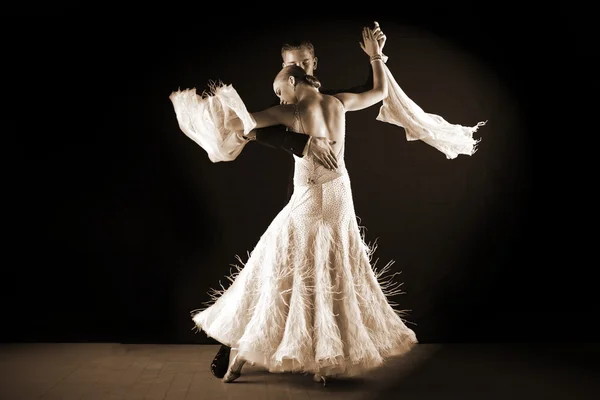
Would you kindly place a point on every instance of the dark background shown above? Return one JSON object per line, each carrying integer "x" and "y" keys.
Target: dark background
{"x": 118, "y": 224}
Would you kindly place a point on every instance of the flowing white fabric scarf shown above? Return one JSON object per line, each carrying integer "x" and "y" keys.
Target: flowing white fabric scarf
{"x": 202, "y": 119}
{"x": 450, "y": 139}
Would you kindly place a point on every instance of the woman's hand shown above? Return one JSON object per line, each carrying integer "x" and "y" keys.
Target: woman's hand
{"x": 370, "y": 45}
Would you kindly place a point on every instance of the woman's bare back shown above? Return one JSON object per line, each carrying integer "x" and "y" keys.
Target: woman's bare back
{"x": 322, "y": 115}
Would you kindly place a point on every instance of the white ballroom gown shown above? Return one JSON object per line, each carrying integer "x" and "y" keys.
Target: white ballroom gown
{"x": 308, "y": 298}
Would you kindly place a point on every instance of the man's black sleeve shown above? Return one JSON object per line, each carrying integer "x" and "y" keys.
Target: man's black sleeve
{"x": 279, "y": 137}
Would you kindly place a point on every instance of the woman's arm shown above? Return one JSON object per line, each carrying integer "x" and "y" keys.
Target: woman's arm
{"x": 381, "y": 39}
{"x": 279, "y": 137}
{"x": 359, "y": 101}
{"x": 269, "y": 130}
{"x": 275, "y": 115}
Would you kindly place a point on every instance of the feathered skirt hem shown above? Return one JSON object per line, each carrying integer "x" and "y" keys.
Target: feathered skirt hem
{"x": 309, "y": 298}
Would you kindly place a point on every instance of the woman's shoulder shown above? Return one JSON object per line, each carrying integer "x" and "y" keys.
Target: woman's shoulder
{"x": 320, "y": 101}
{"x": 335, "y": 101}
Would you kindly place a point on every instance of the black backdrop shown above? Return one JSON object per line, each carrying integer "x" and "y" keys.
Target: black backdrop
{"x": 119, "y": 224}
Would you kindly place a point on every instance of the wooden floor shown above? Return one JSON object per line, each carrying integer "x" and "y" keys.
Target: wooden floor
{"x": 131, "y": 372}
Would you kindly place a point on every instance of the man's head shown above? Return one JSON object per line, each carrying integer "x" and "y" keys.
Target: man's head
{"x": 301, "y": 54}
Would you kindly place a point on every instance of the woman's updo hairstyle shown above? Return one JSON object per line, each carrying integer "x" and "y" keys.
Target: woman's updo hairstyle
{"x": 299, "y": 74}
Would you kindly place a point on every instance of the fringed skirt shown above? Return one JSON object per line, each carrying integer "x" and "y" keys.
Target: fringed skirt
{"x": 308, "y": 298}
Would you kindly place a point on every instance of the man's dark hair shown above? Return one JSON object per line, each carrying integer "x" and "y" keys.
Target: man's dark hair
{"x": 298, "y": 45}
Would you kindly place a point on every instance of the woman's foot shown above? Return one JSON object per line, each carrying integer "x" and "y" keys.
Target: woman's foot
{"x": 235, "y": 369}
{"x": 231, "y": 376}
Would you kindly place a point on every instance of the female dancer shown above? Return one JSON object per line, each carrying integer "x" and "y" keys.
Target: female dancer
{"x": 308, "y": 298}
